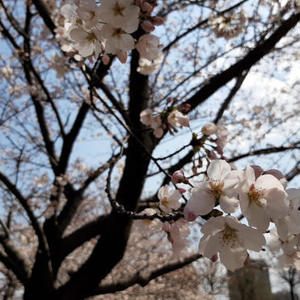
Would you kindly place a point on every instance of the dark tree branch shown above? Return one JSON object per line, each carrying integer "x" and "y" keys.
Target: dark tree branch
{"x": 70, "y": 138}
{"x": 246, "y": 63}
{"x": 45, "y": 15}
{"x": 20, "y": 273}
{"x": 114, "y": 101}
{"x": 294, "y": 172}
{"x": 203, "y": 22}
{"x": 23, "y": 201}
{"x": 144, "y": 279}
{"x": 82, "y": 235}
{"x": 264, "y": 151}
{"x": 13, "y": 21}
{"x": 239, "y": 81}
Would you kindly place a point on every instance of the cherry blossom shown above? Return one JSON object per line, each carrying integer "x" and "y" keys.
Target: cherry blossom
{"x": 169, "y": 199}
{"x": 120, "y": 14}
{"x": 148, "y": 46}
{"x": 262, "y": 199}
{"x": 288, "y": 248}
{"x": 290, "y": 224}
{"x": 147, "y": 224}
{"x": 87, "y": 43}
{"x": 220, "y": 187}
{"x": 89, "y": 12}
{"x": 148, "y": 118}
{"x": 147, "y": 67}
{"x": 209, "y": 128}
{"x": 228, "y": 26}
{"x": 116, "y": 39}
{"x": 177, "y": 235}
{"x": 178, "y": 177}
{"x": 231, "y": 239}
{"x": 176, "y": 118}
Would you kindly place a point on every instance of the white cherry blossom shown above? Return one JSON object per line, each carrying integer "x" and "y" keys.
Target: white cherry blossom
{"x": 116, "y": 39}
{"x": 169, "y": 199}
{"x": 147, "y": 67}
{"x": 148, "y": 118}
{"x": 120, "y": 14}
{"x": 219, "y": 187}
{"x": 177, "y": 235}
{"x": 291, "y": 223}
{"x": 177, "y": 118}
{"x": 209, "y": 128}
{"x": 145, "y": 225}
{"x": 231, "y": 239}
{"x": 89, "y": 12}
{"x": 148, "y": 46}
{"x": 262, "y": 199}
{"x": 87, "y": 42}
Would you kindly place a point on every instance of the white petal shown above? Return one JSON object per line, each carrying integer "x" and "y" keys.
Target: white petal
{"x": 212, "y": 245}
{"x": 251, "y": 238}
{"x": 294, "y": 197}
{"x": 127, "y": 42}
{"x": 232, "y": 179}
{"x": 213, "y": 225}
{"x": 85, "y": 49}
{"x": 282, "y": 228}
{"x": 78, "y": 34}
{"x": 249, "y": 175}
{"x": 218, "y": 169}
{"x": 233, "y": 258}
{"x": 257, "y": 217}
{"x": 201, "y": 202}
{"x": 278, "y": 204}
{"x": 293, "y": 222}
{"x": 229, "y": 204}
{"x": 267, "y": 182}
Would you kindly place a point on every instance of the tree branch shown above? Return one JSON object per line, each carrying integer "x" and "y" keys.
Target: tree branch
{"x": 14, "y": 267}
{"x": 246, "y": 63}
{"x": 143, "y": 280}
{"x": 264, "y": 151}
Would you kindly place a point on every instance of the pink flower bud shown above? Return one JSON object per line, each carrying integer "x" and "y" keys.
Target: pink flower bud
{"x": 214, "y": 258}
{"x": 147, "y": 7}
{"x": 189, "y": 216}
{"x": 209, "y": 128}
{"x": 178, "y": 177}
{"x": 181, "y": 190}
{"x": 147, "y": 26}
{"x": 184, "y": 108}
{"x": 257, "y": 170}
{"x": 158, "y": 21}
{"x": 105, "y": 59}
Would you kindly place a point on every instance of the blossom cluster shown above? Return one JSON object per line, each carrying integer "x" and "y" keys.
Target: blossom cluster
{"x": 262, "y": 198}
{"x": 108, "y": 28}
{"x": 228, "y": 25}
{"x": 165, "y": 120}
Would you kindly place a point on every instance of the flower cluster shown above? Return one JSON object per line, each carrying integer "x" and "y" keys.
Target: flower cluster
{"x": 161, "y": 121}
{"x": 107, "y": 29}
{"x": 229, "y": 25}
{"x": 262, "y": 198}
{"x": 177, "y": 231}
